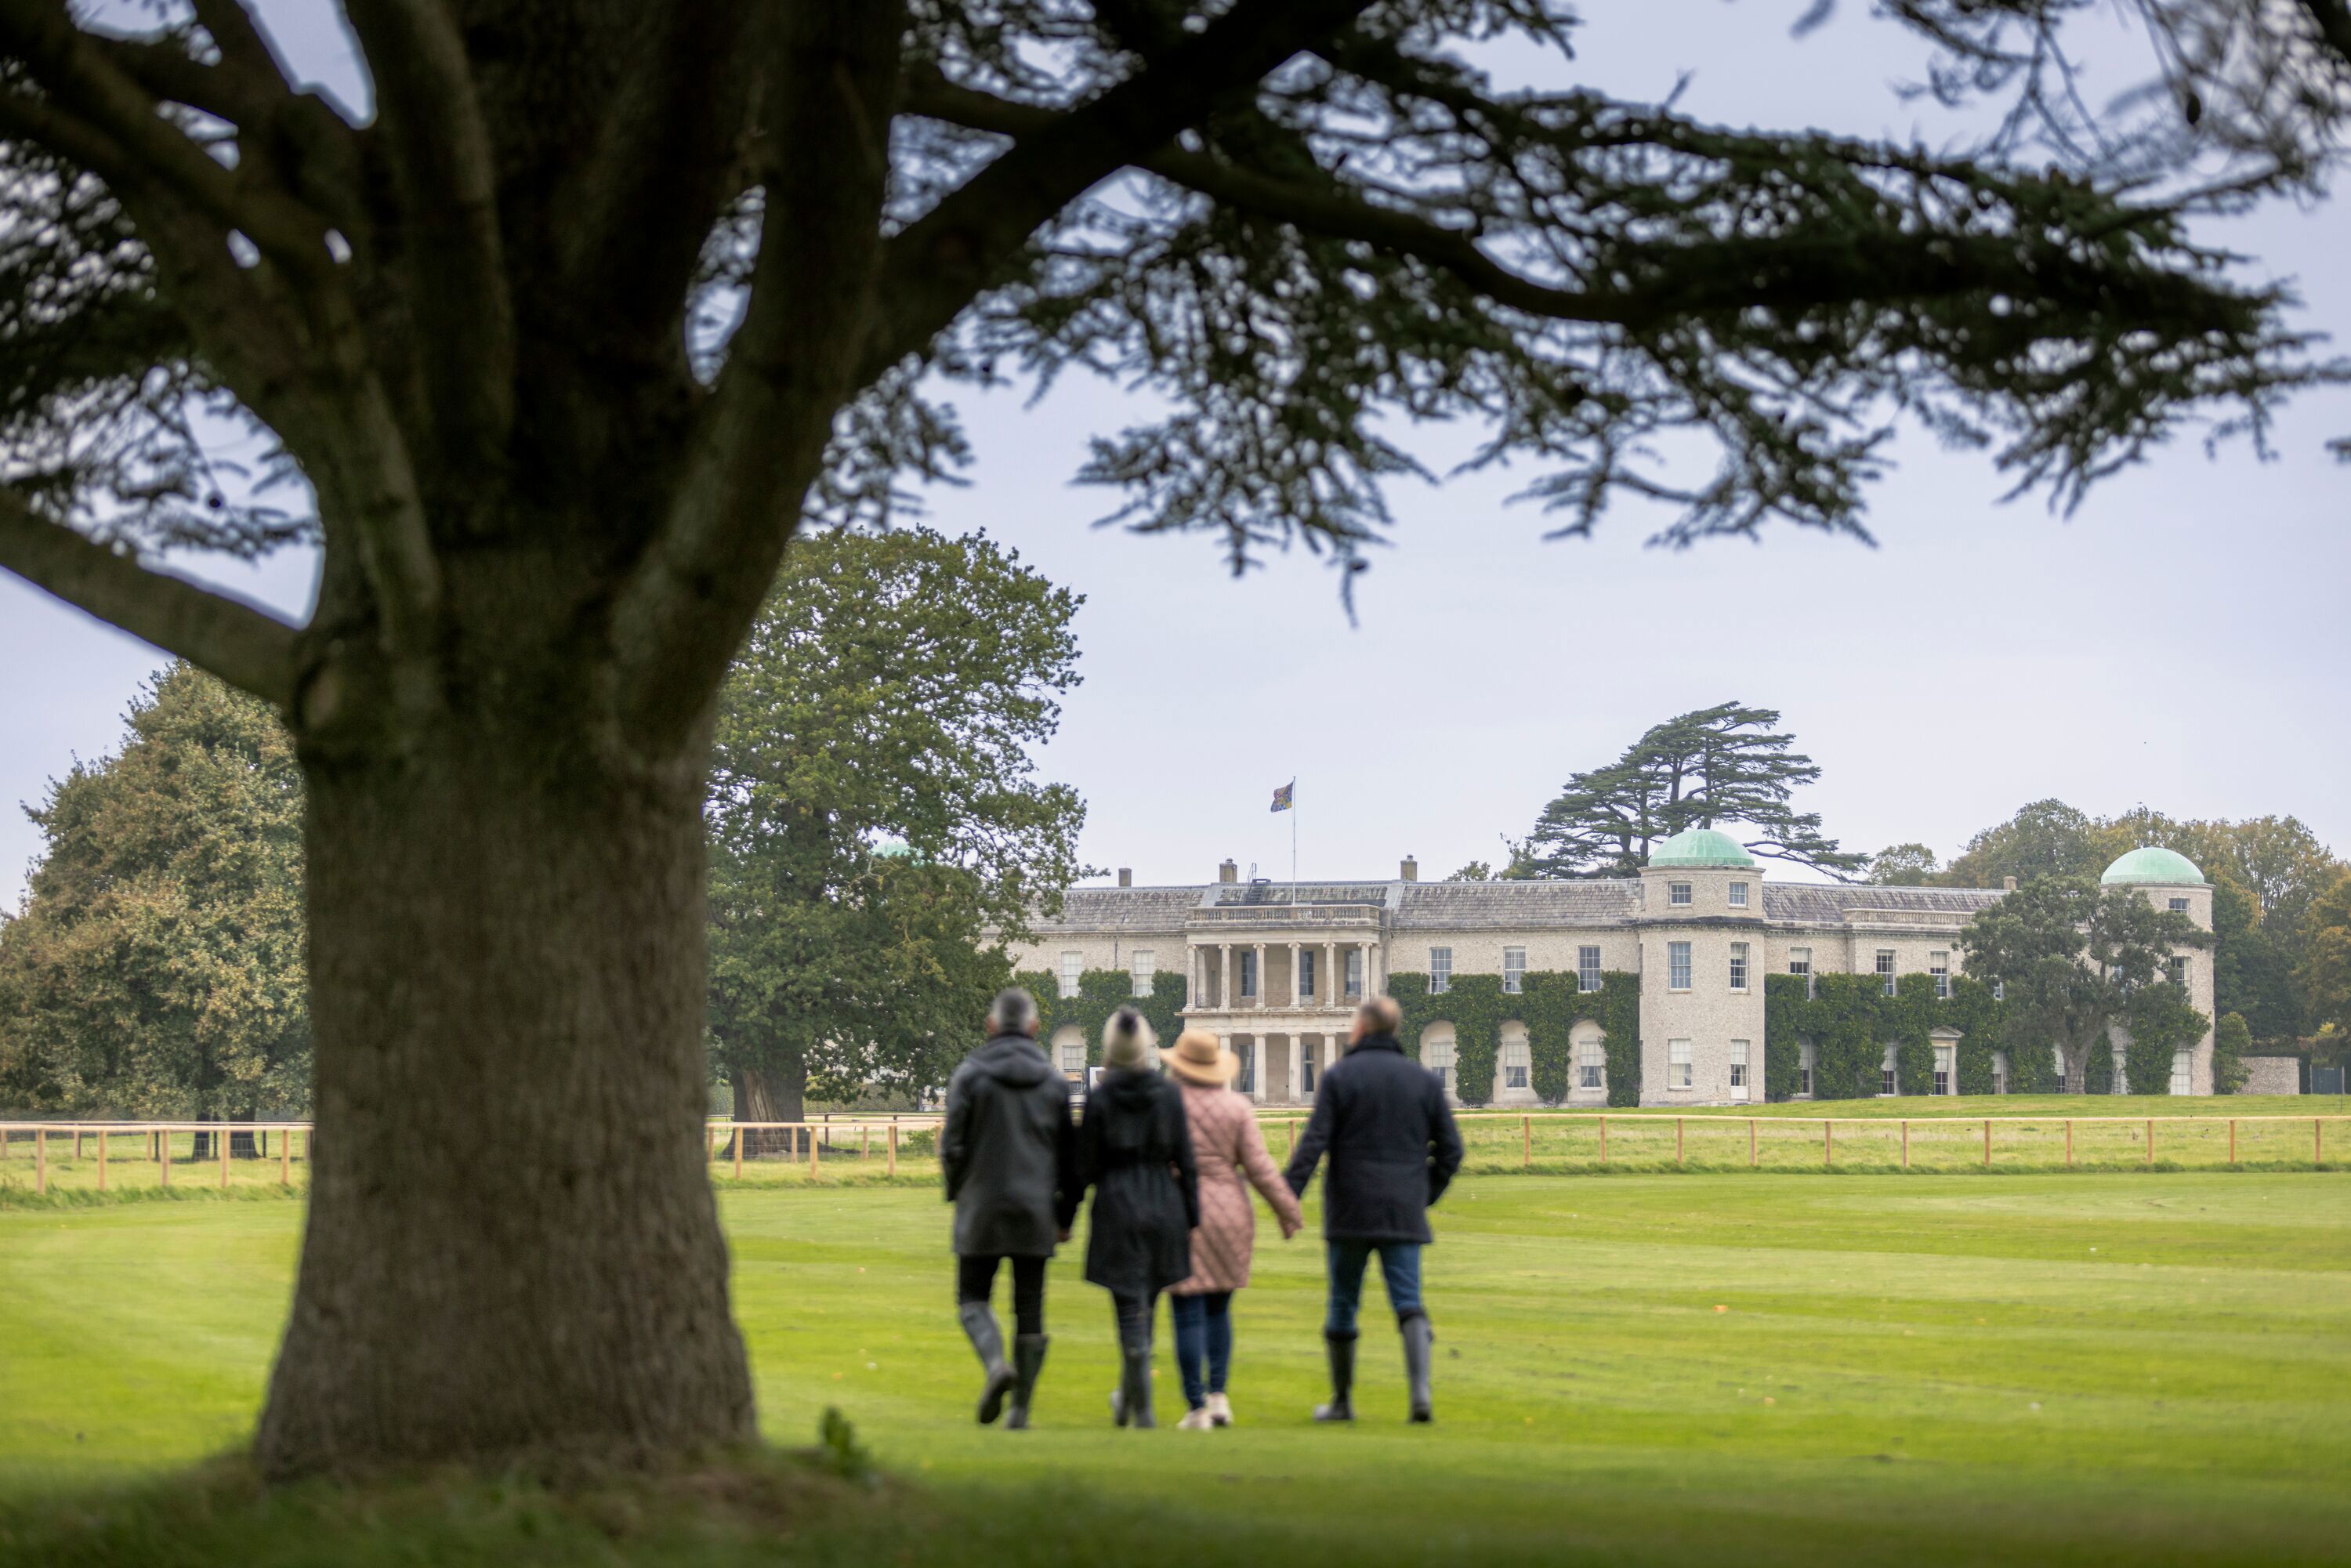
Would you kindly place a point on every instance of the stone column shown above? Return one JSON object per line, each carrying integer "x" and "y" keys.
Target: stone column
{"x": 1297, "y": 994}
{"x": 1297, "y": 1063}
{"x": 1334, "y": 982}
{"x": 1372, "y": 967}
{"x": 1225, "y": 987}
{"x": 1260, "y": 949}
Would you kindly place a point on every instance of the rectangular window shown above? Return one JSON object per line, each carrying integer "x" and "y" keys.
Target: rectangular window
{"x": 1738, "y": 966}
{"x": 1739, "y": 1070}
{"x": 1590, "y": 1063}
{"x": 1072, "y": 966}
{"x": 1248, "y": 976}
{"x": 2177, "y": 968}
{"x": 1938, "y": 965}
{"x": 1886, "y": 1081}
{"x": 1587, "y": 968}
{"x": 1677, "y": 1065}
{"x": 1946, "y": 1065}
{"x": 1440, "y": 970}
{"x": 1999, "y": 990}
{"x": 1354, "y": 971}
{"x": 1804, "y": 1081}
{"x": 1677, "y": 965}
{"x": 1145, "y": 970}
{"x": 1800, "y": 961}
{"x": 2182, "y": 1081}
{"x": 1677, "y": 893}
{"x": 1073, "y": 1057}
{"x": 1886, "y": 969}
{"x": 2179, "y": 906}
{"x": 2060, "y": 1056}
{"x": 1514, "y": 970}
{"x": 1305, "y": 973}
{"x": 1515, "y": 1064}
{"x": 1738, "y": 895}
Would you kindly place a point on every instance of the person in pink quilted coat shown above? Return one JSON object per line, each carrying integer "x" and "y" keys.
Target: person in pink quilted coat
{"x": 1225, "y": 1146}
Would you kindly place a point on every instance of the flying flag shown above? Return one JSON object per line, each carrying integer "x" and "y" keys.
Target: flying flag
{"x": 1286, "y": 797}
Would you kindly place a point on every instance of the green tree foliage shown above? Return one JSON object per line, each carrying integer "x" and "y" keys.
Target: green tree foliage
{"x": 1550, "y": 1005}
{"x": 1726, "y": 766}
{"x": 2254, "y": 972}
{"x": 2046, "y": 838}
{"x": 1101, "y": 992}
{"x": 2070, "y": 957}
{"x": 1850, "y": 1021}
{"x": 2325, "y": 972}
{"x": 875, "y": 822}
{"x": 1904, "y": 866}
{"x": 2231, "y": 1041}
{"x": 157, "y": 967}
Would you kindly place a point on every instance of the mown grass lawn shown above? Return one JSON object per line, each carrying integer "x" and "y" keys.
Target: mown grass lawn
{"x": 2149, "y": 1367}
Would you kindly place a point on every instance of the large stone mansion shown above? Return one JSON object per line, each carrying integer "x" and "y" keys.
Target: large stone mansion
{"x": 1276, "y": 971}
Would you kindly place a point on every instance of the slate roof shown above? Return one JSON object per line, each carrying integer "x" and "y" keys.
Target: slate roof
{"x": 1831, "y": 903}
{"x": 1124, "y": 909}
{"x": 1470, "y": 906}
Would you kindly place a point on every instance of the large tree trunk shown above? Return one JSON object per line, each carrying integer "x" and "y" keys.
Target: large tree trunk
{"x": 770, "y": 1093}
{"x": 512, "y": 1247}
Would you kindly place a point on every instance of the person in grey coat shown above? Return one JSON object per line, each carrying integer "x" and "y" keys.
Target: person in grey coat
{"x": 1009, "y": 1156}
{"x": 1394, "y": 1149}
{"x": 1134, "y": 1149}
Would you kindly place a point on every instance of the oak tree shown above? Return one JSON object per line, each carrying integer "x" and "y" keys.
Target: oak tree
{"x": 568, "y": 335}
{"x": 877, "y": 828}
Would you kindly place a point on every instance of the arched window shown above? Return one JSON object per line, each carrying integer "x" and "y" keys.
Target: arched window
{"x": 1436, "y": 1051}
{"x": 1591, "y": 1059}
{"x": 1517, "y": 1062}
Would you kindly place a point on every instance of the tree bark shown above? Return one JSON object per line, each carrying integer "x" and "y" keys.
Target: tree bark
{"x": 770, "y": 1094}
{"x": 512, "y": 1249}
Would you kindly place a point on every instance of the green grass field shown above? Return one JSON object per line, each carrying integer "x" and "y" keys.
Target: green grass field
{"x": 2150, "y": 1367}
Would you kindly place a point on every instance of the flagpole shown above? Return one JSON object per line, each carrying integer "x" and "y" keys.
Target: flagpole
{"x": 1293, "y": 842}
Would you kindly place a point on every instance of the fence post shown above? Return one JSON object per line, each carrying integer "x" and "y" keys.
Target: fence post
{"x": 2232, "y": 1140}
{"x": 1828, "y": 1142}
{"x": 812, "y": 1133}
{"x": 1289, "y": 1131}
{"x": 2150, "y": 1139}
{"x": 1603, "y": 1137}
{"x": 1678, "y": 1140}
{"x": 1526, "y": 1140}
{"x": 76, "y": 1143}
{"x": 40, "y": 1159}
{"x": 710, "y": 1143}
{"x": 893, "y": 1149}
{"x": 1905, "y": 1143}
{"x": 101, "y": 1159}
{"x": 222, "y": 1139}
{"x": 1987, "y": 1142}
{"x": 286, "y": 1157}
{"x": 2069, "y": 1142}
{"x": 1750, "y": 1143}
{"x": 738, "y": 1151}
{"x": 2317, "y": 1142}
{"x": 163, "y": 1159}
{"x": 864, "y": 1142}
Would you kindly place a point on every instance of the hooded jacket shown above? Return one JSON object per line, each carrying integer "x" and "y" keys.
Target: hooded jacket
{"x": 1136, "y": 1151}
{"x": 1008, "y": 1151}
{"x": 1383, "y": 1118}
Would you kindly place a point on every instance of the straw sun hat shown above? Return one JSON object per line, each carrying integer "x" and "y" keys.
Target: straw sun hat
{"x": 1197, "y": 1058}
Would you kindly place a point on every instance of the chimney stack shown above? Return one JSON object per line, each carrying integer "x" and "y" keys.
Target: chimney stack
{"x": 1126, "y": 876}
{"x": 1410, "y": 870}
{"x": 2007, "y": 884}
{"x": 1229, "y": 872}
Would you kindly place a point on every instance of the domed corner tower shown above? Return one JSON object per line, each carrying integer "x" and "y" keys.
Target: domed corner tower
{"x": 1702, "y": 966}
{"x": 2169, "y": 879}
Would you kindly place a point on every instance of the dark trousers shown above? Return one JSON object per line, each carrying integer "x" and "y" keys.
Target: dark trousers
{"x": 1204, "y": 1342}
{"x": 976, "y": 1282}
{"x": 1399, "y": 1262}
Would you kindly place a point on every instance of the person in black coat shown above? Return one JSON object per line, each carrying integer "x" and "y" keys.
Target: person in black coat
{"x": 1382, "y": 1118}
{"x": 1134, "y": 1149}
{"x": 1010, "y": 1155}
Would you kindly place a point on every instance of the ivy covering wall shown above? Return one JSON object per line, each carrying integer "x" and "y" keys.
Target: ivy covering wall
{"x": 1850, "y": 1021}
{"x": 1551, "y": 1005}
{"x": 1101, "y": 992}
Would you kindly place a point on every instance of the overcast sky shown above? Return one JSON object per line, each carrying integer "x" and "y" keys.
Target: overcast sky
{"x": 2181, "y": 640}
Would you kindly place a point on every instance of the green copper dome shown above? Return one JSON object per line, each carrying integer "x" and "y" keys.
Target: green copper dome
{"x": 2161, "y": 867}
{"x": 1700, "y": 847}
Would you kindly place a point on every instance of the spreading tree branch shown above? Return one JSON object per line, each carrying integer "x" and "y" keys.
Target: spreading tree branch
{"x": 940, "y": 263}
{"x": 438, "y": 148}
{"x": 240, "y": 644}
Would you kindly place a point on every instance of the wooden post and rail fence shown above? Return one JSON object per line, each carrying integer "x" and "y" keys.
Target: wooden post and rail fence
{"x": 870, "y": 1138}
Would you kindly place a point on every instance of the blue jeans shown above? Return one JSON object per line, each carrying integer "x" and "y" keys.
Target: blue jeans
{"x": 1399, "y": 1262}
{"x": 1204, "y": 1342}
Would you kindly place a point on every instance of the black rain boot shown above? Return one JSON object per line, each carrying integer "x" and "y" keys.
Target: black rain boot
{"x": 1417, "y": 1338}
{"x": 1028, "y": 1361}
{"x": 987, "y": 1340}
{"x": 1340, "y": 1348}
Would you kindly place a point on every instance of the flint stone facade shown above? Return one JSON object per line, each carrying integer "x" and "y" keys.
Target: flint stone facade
{"x": 1275, "y": 972}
